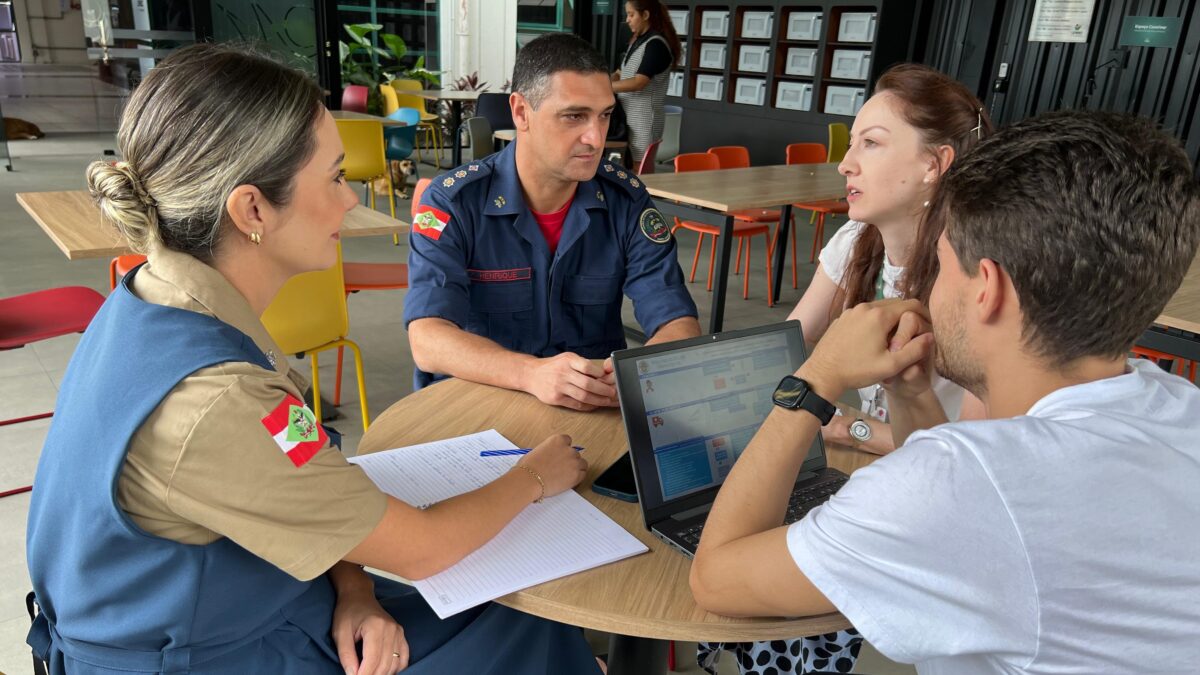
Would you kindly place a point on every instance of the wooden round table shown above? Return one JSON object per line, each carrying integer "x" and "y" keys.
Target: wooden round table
{"x": 645, "y": 596}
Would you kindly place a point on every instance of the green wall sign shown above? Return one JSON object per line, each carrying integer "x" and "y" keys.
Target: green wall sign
{"x": 1150, "y": 31}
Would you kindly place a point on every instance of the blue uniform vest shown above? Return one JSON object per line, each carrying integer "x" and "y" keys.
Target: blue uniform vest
{"x": 115, "y": 598}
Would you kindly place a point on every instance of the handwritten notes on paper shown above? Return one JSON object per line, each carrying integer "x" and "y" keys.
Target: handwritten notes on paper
{"x": 563, "y": 535}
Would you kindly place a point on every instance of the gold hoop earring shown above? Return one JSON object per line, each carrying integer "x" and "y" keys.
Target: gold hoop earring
{"x": 255, "y": 238}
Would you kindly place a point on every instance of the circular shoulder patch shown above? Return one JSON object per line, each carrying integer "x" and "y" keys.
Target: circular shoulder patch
{"x": 654, "y": 226}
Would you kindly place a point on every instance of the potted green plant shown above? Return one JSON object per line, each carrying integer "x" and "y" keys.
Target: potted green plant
{"x": 366, "y": 64}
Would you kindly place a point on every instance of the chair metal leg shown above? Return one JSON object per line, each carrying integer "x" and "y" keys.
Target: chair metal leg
{"x": 770, "y": 295}
{"x": 746, "y": 276}
{"x": 737, "y": 260}
{"x": 712, "y": 260}
{"x": 795, "y": 279}
{"x": 818, "y": 237}
{"x": 337, "y": 383}
{"x": 696, "y": 258}
{"x": 391, "y": 192}
{"x": 316, "y": 386}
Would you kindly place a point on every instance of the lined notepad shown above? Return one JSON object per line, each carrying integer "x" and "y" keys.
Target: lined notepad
{"x": 561, "y": 536}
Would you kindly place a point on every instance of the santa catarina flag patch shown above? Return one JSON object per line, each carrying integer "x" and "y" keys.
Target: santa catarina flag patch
{"x": 430, "y": 221}
{"x": 295, "y": 429}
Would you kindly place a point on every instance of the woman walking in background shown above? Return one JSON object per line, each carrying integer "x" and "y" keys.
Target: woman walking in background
{"x": 641, "y": 81}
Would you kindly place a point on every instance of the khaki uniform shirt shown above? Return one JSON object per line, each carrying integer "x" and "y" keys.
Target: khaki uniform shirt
{"x": 203, "y": 466}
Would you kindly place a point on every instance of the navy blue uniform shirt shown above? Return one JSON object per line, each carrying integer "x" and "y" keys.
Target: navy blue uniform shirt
{"x": 478, "y": 259}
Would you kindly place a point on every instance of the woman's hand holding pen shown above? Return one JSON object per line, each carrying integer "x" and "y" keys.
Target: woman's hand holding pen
{"x": 558, "y": 464}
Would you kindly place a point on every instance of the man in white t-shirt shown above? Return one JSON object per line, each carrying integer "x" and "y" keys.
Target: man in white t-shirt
{"x": 1060, "y": 535}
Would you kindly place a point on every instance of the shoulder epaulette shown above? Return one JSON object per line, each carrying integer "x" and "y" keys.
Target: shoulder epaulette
{"x": 451, "y": 182}
{"x": 618, "y": 174}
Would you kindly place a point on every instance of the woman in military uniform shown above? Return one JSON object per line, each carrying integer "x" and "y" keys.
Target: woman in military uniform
{"x": 190, "y": 516}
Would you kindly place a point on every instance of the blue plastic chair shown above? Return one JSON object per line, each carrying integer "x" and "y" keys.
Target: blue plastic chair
{"x": 400, "y": 142}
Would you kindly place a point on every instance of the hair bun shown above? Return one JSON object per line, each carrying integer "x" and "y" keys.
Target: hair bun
{"x": 124, "y": 201}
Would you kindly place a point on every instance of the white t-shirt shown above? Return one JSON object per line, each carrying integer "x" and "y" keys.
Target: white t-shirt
{"x": 834, "y": 259}
{"x": 1066, "y": 540}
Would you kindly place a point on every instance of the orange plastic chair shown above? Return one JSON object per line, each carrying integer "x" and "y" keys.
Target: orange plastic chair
{"x": 1157, "y": 356}
{"x": 120, "y": 266}
{"x": 814, "y": 153}
{"x": 742, "y": 229}
{"x": 365, "y": 160}
{"x": 364, "y": 276}
{"x": 738, "y": 157}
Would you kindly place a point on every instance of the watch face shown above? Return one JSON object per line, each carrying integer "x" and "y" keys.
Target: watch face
{"x": 860, "y": 431}
{"x": 789, "y": 391}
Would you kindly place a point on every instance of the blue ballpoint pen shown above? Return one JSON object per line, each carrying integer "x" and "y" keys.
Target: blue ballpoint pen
{"x": 515, "y": 451}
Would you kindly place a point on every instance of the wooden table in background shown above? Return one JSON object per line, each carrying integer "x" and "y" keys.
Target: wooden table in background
{"x": 510, "y": 135}
{"x": 709, "y": 197}
{"x": 456, "y": 99}
{"x": 72, "y": 220}
{"x": 646, "y": 596}
{"x": 1177, "y": 329}
{"x": 351, "y": 115}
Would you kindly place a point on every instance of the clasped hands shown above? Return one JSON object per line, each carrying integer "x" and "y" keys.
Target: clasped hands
{"x": 890, "y": 341}
{"x": 572, "y": 381}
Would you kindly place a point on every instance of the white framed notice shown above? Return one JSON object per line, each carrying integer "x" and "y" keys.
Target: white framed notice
{"x": 1061, "y": 20}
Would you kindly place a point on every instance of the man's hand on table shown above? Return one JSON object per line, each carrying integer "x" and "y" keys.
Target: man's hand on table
{"x": 571, "y": 381}
{"x": 870, "y": 343}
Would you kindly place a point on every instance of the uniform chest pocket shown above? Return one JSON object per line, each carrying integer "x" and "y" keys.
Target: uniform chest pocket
{"x": 591, "y": 290}
{"x": 503, "y": 297}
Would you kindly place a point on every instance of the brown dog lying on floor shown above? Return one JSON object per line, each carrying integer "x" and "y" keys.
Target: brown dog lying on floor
{"x": 16, "y": 129}
{"x": 400, "y": 171}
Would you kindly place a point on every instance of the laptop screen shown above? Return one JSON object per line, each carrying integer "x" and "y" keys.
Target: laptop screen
{"x": 691, "y": 407}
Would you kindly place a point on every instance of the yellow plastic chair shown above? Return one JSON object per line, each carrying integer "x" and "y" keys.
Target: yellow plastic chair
{"x": 309, "y": 316}
{"x": 839, "y": 142}
{"x": 365, "y": 160}
{"x": 429, "y": 121}
{"x": 390, "y": 103}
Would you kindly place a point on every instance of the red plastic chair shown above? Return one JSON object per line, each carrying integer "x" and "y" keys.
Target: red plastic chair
{"x": 647, "y": 164}
{"x": 121, "y": 265}
{"x": 742, "y": 229}
{"x": 813, "y": 153}
{"x": 1156, "y": 356}
{"x": 354, "y": 98}
{"x": 41, "y": 315}
{"x": 364, "y": 276}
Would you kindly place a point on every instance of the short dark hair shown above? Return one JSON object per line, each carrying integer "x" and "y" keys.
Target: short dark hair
{"x": 1095, "y": 216}
{"x": 547, "y": 55}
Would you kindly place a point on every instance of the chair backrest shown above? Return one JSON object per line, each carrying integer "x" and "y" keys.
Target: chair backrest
{"x": 672, "y": 124}
{"x": 806, "y": 153}
{"x": 647, "y": 163}
{"x": 363, "y": 142}
{"x": 732, "y": 156}
{"x": 410, "y": 116}
{"x": 696, "y": 161}
{"x": 495, "y": 108}
{"x": 390, "y": 102}
{"x": 354, "y": 98}
{"x": 309, "y": 311}
{"x": 417, "y": 192}
{"x": 480, "y": 132}
{"x": 407, "y": 85}
{"x": 839, "y": 142}
{"x": 399, "y": 141}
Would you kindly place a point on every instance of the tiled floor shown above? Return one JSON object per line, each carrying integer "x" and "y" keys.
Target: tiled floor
{"x": 29, "y": 377}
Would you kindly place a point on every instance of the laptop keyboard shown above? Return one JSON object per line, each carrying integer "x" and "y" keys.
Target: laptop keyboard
{"x": 801, "y": 502}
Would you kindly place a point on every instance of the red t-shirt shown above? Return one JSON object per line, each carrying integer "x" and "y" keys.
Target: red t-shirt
{"x": 551, "y": 224}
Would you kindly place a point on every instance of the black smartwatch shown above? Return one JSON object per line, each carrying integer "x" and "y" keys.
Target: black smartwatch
{"x": 794, "y": 393}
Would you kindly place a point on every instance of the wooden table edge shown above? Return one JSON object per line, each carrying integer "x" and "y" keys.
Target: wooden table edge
{"x": 759, "y": 629}
{"x": 83, "y": 254}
